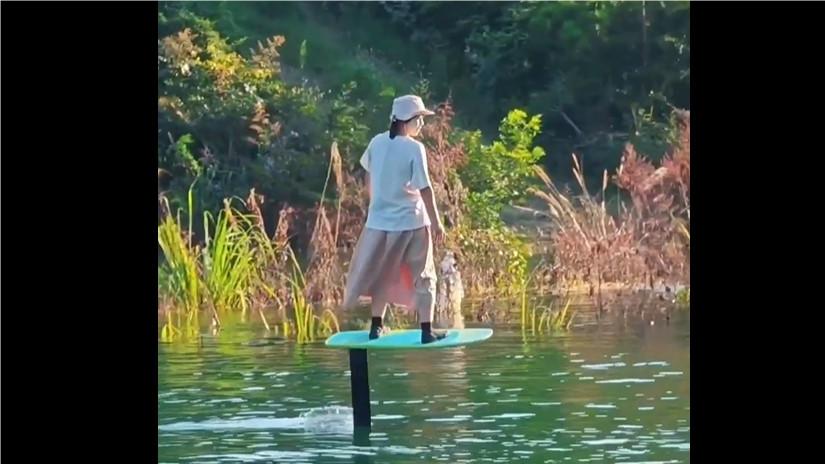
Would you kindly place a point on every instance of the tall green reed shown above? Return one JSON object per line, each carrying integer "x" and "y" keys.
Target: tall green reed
{"x": 541, "y": 319}
{"x": 238, "y": 268}
{"x": 228, "y": 262}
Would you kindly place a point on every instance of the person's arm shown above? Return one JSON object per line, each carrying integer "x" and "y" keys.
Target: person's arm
{"x": 432, "y": 211}
{"x": 421, "y": 181}
{"x": 365, "y": 163}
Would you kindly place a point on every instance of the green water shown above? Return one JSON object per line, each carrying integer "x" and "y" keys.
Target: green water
{"x": 613, "y": 390}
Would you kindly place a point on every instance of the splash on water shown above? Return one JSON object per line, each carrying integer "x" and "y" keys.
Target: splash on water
{"x": 328, "y": 419}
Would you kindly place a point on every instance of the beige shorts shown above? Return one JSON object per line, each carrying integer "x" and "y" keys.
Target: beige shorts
{"x": 397, "y": 267}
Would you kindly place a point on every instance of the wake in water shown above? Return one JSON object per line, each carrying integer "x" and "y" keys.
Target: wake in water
{"x": 328, "y": 419}
{"x": 323, "y": 420}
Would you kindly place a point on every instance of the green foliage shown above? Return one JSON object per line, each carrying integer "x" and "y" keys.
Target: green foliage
{"x": 251, "y": 94}
{"x": 178, "y": 277}
{"x": 683, "y": 298}
{"x": 546, "y": 319}
{"x": 303, "y": 53}
{"x": 181, "y": 154}
{"x": 500, "y": 173}
{"x": 602, "y": 74}
{"x": 588, "y": 66}
{"x": 234, "y": 266}
{"x": 229, "y": 117}
{"x": 228, "y": 262}
{"x": 493, "y": 259}
{"x": 346, "y": 123}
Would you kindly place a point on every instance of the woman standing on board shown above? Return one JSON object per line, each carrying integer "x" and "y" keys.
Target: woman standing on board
{"x": 393, "y": 261}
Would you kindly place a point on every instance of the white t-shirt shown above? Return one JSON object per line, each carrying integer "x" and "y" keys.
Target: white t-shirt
{"x": 398, "y": 170}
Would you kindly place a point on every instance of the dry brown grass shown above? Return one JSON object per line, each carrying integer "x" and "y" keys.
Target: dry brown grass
{"x": 445, "y": 156}
{"x": 645, "y": 242}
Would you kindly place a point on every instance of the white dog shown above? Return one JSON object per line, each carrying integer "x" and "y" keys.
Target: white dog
{"x": 450, "y": 294}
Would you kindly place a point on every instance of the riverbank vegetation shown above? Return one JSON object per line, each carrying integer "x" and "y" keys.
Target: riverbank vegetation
{"x": 264, "y": 109}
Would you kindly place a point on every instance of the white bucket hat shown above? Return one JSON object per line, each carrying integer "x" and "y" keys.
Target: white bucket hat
{"x": 407, "y": 107}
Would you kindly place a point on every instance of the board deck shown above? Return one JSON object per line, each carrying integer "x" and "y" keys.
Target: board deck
{"x": 406, "y": 339}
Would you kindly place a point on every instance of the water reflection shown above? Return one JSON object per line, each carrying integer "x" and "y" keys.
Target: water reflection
{"x": 599, "y": 394}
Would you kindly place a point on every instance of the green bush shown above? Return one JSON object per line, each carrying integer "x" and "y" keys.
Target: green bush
{"x": 500, "y": 173}
{"x": 252, "y": 96}
{"x": 230, "y": 119}
{"x": 493, "y": 260}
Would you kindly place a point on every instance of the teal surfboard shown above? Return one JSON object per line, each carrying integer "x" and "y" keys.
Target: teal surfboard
{"x": 406, "y": 339}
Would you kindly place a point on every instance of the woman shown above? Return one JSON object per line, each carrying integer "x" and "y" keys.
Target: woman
{"x": 393, "y": 261}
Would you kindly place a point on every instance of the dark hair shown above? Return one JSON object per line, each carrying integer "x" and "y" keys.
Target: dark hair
{"x": 395, "y": 126}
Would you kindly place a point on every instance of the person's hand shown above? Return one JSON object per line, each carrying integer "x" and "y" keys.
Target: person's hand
{"x": 438, "y": 233}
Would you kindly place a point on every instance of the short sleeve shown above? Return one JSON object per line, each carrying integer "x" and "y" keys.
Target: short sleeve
{"x": 420, "y": 171}
{"x": 365, "y": 158}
